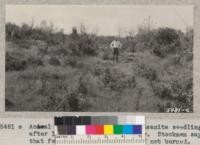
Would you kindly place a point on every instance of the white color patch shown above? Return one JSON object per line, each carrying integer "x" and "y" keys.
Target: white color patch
{"x": 80, "y": 129}
{"x": 140, "y": 120}
{"x": 130, "y": 119}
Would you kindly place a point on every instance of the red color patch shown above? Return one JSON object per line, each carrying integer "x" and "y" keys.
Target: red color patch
{"x": 99, "y": 129}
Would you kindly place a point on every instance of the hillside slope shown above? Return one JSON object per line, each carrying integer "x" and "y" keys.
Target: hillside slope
{"x": 53, "y": 81}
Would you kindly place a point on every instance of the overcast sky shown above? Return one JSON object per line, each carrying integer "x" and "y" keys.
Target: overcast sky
{"x": 108, "y": 20}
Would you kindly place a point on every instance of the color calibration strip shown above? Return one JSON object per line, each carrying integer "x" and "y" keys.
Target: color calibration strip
{"x": 99, "y": 125}
{"x": 98, "y": 129}
{"x": 100, "y": 120}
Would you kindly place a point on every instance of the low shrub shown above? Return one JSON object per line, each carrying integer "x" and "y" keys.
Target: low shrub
{"x": 182, "y": 90}
{"x": 15, "y": 61}
{"x": 82, "y": 44}
{"x": 87, "y": 45}
{"x": 166, "y": 41}
{"x": 54, "y": 61}
{"x": 9, "y": 103}
{"x": 72, "y": 61}
{"x": 35, "y": 61}
{"x": 74, "y": 48}
{"x": 147, "y": 72}
{"x": 117, "y": 80}
{"x": 164, "y": 107}
{"x": 141, "y": 46}
{"x": 163, "y": 90}
{"x": 178, "y": 91}
{"x": 106, "y": 55}
{"x": 73, "y": 102}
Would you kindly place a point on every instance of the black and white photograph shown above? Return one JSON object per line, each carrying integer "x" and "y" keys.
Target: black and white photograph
{"x": 99, "y": 58}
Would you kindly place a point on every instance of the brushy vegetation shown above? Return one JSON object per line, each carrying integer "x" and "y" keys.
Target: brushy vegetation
{"x": 47, "y": 70}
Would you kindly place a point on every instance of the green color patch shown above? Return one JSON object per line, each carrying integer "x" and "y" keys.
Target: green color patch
{"x": 118, "y": 129}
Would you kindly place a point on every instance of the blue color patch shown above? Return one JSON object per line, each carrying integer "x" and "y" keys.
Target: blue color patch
{"x": 128, "y": 129}
{"x": 137, "y": 129}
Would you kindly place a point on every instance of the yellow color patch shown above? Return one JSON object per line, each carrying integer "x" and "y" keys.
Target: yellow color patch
{"x": 108, "y": 129}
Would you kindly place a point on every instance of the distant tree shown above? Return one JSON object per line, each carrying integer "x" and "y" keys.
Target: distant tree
{"x": 26, "y": 31}
{"x": 74, "y": 34}
{"x": 131, "y": 38}
{"x": 189, "y": 38}
{"x": 166, "y": 36}
{"x": 143, "y": 34}
{"x": 83, "y": 43}
{"x": 13, "y": 31}
{"x": 143, "y": 38}
{"x": 82, "y": 28}
{"x": 166, "y": 41}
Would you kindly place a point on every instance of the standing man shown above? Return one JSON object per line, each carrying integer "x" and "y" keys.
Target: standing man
{"x": 115, "y": 46}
